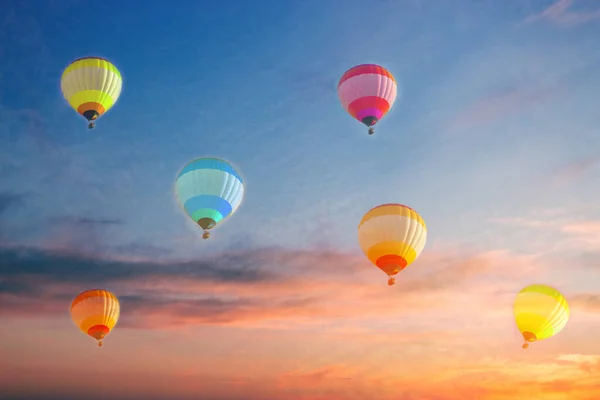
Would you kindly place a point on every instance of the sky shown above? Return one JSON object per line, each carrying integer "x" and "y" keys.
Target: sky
{"x": 493, "y": 139}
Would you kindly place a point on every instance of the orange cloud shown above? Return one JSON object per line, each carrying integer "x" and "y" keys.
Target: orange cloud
{"x": 313, "y": 289}
{"x": 485, "y": 379}
{"x": 586, "y": 301}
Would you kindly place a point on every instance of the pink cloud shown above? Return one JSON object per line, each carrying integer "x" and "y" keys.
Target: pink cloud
{"x": 529, "y": 223}
{"x": 583, "y": 234}
{"x": 575, "y": 171}
{"x": 313, "y": 289}
{"x": 496, "y": 107}
{"x": 584, "y": 227}
{"x": 569, "y": 234}
{"x": 559, "y": 14}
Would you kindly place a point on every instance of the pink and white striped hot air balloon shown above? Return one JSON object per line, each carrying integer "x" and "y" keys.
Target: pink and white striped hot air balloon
{"x": 367, "y": 92}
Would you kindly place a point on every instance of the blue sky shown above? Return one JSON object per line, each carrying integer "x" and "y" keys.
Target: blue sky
{"x": 255, "y": 84}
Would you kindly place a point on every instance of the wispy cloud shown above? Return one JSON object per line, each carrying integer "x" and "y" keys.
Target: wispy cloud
{"x": 587, "y": 302}
{"x": 566, "y": 232}
{"x": 575, "y": 171}
{"x": 8, "y": 200}
{"x": 86, "y": 220}
{"x": 498, "y": 106}
{"x": 529, "y": 223}
{"x": 265, "y": 287}
{"x": 560, "y": 13}
{"x": 568, "y": 375}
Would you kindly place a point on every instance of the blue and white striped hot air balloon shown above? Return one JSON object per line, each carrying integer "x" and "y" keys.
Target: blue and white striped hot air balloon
{"x": 209, "y": 190}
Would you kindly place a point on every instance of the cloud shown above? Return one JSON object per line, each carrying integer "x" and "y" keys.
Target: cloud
{"x": 277, "y": 288}
{"x": 583, "y": 234}
{"x": 501, "y": 105}
{"x": 8, "y": 200}
{"x": 59, "y": 266}
{"x": 141, "y": 249}
{"x": 563, "y": 376}
{"x": 313, "y": 79}
{"x": 328, "y": 372}
{"x": 86, "y": 220}
{"x": 584, "y": 227}
{"x": 586, "y": 302}
{"x": 487, "y": 378}
{"x": 559, "y": 13}
{"x": 574, "y": 171}
{"x": 563, "y": 231}
{"x": 529, "y": 223}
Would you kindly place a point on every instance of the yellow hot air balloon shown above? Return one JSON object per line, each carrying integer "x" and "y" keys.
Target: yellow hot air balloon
{"x": 540, "y": 312}
{"x": 392, "y": 236}
{"x": 96, "y": 313}
{"x": 92, "y": 86}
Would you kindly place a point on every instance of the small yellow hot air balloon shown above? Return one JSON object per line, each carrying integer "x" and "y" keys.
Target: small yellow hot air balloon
{"x": 540, "y": 312}
{"x": 92, "y": 86}
{"x": 392, "y": 236}
{"x": 96, "y": 313}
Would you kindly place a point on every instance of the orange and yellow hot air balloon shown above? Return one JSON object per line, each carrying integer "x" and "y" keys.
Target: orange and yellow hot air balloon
{"x": 392, "y": 236}
{"x": 96, "y": 313}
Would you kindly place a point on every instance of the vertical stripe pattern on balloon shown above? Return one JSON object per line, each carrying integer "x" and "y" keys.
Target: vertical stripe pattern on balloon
{"x": 95, "y": 312}
{"x": 392, "y": 236}
{"x": 92, "y": 86}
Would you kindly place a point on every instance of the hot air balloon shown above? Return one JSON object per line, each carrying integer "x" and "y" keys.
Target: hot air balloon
{"x": 96, "y": 313}
{"x": 392, "y": 236}
{"x": 92, "y": 86}
{"x": 367, "y": 92}
{"x": 540, "y": 312}
{"x": 209, "y": 190}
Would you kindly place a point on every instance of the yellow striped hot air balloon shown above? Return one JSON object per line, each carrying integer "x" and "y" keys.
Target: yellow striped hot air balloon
{"x": 392, "y": 236}
{"x": 92, "y": 86}
{"x": 96, "y": 313}
{"x": 540, "y": 312}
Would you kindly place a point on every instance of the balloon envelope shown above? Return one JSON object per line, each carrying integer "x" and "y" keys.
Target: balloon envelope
{"x": 540, "y": 312}
{"x": 367, "y": 92}
{"x": 392, "y": 236}
{"x": 92, "y": 86}
{"x": 209, "y": 190}
{"x": 95, "y": 312}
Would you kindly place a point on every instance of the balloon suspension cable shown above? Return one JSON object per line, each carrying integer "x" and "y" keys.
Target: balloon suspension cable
{"x": 525, "y": 345}
{"x": 100, "y": 344}
{"x": 371, "y": 130}
{"x": 206, "y": 235}
{"x": 391, "y": 281}
{"x": 91, "y": 125}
